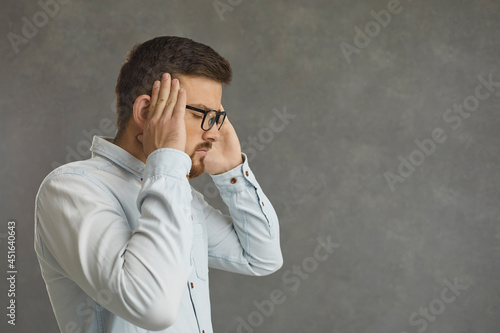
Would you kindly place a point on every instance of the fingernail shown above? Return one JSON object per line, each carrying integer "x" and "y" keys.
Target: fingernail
{"x": 156, "y": 84}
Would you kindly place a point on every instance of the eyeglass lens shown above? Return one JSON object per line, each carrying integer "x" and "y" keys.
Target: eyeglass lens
{"x": 210, "y": 119}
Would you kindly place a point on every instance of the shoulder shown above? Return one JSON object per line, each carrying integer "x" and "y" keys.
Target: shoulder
{"x": 75, "y": 176}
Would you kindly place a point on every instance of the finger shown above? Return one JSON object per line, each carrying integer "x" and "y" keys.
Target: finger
{"x": 154, "y": 99}
{"x": 172, "y": 99}
{"x": 163, "y": 96}
{"x": 180, "y": 106}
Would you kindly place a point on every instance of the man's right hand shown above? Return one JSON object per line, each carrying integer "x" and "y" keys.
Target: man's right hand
{"x": 165, "y": 126}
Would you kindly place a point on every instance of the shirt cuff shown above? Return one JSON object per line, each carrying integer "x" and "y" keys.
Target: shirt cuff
{"x": 236, "y": 179}
{"x": 168, "y": 162}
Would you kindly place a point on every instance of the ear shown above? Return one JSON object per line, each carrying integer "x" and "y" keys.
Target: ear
{"x": 141, "y": 110}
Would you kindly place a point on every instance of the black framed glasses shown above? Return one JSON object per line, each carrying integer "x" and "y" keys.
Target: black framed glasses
{"x": 210, "y": 117}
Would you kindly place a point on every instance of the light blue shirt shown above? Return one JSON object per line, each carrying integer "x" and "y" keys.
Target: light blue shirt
{"x": 125, "y": 246}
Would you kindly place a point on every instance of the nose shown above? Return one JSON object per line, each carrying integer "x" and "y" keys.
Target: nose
{"x": 212, "y": 135}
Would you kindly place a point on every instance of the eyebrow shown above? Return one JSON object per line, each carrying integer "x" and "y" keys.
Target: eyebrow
{"x": 203, "y": 107}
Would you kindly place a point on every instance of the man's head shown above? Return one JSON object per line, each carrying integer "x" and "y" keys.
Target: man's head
{"x": 201, "y": 72}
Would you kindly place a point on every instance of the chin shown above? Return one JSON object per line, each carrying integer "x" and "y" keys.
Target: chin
{"x": 197, "y": 169}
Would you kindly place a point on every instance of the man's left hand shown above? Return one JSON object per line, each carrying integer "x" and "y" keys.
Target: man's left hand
{"x": 225, "y": 153}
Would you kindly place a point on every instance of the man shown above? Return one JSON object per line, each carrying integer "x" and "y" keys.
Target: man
{"x": 124, "y": 242}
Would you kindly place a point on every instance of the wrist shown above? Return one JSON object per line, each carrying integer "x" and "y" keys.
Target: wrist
{"x": 230, "y": 166}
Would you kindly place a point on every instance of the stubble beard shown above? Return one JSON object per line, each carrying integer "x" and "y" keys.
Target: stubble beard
{"x": 197, "y": 169}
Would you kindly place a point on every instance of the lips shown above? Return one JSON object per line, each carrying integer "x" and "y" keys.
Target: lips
{"x": 202, "y": 151}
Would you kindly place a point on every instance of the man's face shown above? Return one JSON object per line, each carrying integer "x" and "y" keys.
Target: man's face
{"x": 205, "y": 94}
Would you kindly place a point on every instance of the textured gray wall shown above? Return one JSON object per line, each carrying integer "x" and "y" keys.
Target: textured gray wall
{"x": 398, "y": 244}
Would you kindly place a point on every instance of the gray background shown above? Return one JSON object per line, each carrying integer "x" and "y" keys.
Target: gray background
{"x": 324, "y": 172}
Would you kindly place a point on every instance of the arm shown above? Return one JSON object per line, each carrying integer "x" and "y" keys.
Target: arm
{"x": 81, "y": 225}
{"x": 145, "y": 270}
{"x": 248, "y": 241}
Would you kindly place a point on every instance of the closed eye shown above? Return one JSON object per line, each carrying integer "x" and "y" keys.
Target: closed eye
{"x": 197, "y": 115}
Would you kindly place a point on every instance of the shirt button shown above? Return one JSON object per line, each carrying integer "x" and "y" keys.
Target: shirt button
{"x": 141, "y": 179}
{"x": 233, "y": 180}
{"x": 192, "y": 285}
{"x": 187, "y": 176}
{"x": 246, "y": 173}
{"x": 262, "y": 203}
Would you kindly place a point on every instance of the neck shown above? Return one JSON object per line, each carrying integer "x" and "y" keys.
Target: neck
{"x": 130, "y": 144}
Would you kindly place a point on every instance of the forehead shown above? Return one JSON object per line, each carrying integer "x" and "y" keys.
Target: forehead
{"x": 201, "y": 91}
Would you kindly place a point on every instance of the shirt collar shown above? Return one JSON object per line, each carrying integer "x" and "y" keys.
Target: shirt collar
{"x": 103, "y": 145}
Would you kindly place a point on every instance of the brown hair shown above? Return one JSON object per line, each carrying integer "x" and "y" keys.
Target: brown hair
{"x": 146, "y": 62}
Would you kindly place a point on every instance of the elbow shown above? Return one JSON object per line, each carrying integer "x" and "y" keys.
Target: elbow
{"x": 276, "y": 265}
{"x": 154, "y": 310}
{"x": 152, "y": 304}
{"x": 158, "y": 315}
{"x": 155, "y": 321}
{"x": 270, "y": 267}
